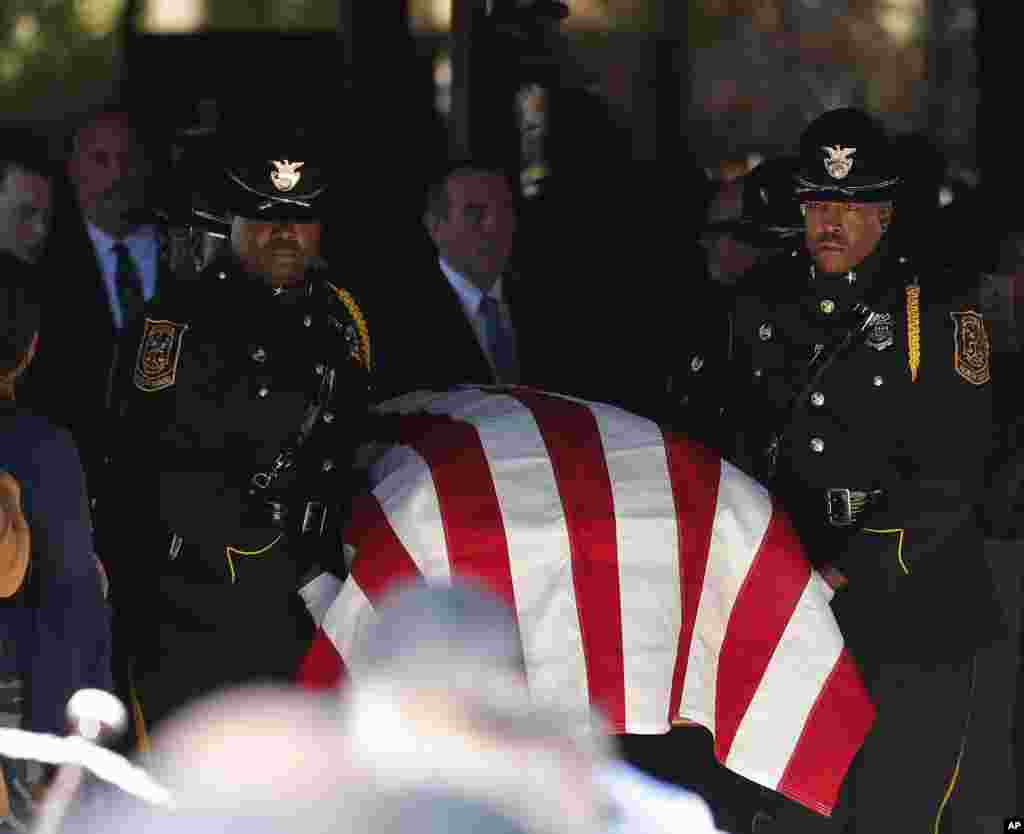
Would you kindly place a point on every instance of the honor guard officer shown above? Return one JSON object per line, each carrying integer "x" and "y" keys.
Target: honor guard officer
{"x": 865, "y": 385}
{"x": 243, "y": 400}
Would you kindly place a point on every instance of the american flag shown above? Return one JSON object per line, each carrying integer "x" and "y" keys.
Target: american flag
{"x": 652, "y": 580}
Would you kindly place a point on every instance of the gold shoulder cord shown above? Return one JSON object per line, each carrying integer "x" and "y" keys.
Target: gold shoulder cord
{"x": 360, "y": 322}
{"x": 914, "y": 328}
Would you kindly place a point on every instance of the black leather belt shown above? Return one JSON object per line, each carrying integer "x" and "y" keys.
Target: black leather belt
{"x": 844, "y": 506}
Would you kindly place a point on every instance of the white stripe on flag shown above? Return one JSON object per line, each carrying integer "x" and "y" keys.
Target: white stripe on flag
{"x": 409, "y": 501}
{"x": 465, "y": 402}
{"x": 539, "y": 554}
{"x": 347, "y": 621}
{"x": 796, "y": 674}
{"x": 319, "y": 594}
{"x": 742, "y": 514}
{"x": 648, "y": 547}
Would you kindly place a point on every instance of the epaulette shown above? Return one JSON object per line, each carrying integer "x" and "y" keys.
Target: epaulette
{"x": 358, "y": 320}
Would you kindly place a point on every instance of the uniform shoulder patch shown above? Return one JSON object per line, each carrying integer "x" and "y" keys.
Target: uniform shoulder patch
{"x": 971, "y": 347}
{"x": 156, "y": 366}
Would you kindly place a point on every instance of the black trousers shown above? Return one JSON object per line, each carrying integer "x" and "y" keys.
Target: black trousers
{"x": 685, "y": 757}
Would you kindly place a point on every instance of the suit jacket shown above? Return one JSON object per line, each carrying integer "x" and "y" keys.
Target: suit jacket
{"x": 79, "y": 344}
{"x": 428, "y": 343}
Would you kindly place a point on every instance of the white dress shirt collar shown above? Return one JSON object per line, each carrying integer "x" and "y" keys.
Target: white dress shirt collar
{"x": 470, "y": 295}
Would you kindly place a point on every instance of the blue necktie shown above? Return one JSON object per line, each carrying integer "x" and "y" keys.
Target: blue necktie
{"x": 129, "y": 286}
{"x": 500, "y": 341}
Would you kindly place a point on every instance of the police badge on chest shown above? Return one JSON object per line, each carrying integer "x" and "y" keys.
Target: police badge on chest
{"x": 880, "y": 332}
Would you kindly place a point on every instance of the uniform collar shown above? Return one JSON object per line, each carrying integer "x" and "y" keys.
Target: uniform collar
{"x": 831, "y": 296}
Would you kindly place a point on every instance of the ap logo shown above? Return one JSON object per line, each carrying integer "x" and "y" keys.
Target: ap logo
{"x": 1014, "y": 824}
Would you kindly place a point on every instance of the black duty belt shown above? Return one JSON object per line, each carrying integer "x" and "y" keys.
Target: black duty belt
{"x": 843, "y": 506}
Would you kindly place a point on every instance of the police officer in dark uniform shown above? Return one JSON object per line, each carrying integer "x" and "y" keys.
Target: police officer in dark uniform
{"x": 865, "y": 387}
{"x": 243, "y": 400}
{"x": 749, "y": 221}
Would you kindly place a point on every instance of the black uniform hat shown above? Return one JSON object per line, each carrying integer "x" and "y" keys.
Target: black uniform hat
{"x": 770, "y": 214}
{"x": 275, "y": 176}
{"x": 845, "y": 155}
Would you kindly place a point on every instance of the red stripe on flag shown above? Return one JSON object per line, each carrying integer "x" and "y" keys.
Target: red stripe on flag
{"x": 381, "y": 560}
{"x": 473, "y": 526}
{"x": 764, "y": 606}
{"x": 573, "y": 441}
{"x": 834, "y": 731}
{"x": 695, "y": 472}
{"x": 322, "y": 667}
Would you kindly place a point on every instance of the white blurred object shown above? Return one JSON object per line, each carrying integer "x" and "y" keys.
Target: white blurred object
{"x": 74, "y": 750}
{"x": 96, "y": 715}
{"x": 646, "y": 806}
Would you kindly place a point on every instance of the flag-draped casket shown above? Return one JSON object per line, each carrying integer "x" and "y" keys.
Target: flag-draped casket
{"x": 651, "y": 580}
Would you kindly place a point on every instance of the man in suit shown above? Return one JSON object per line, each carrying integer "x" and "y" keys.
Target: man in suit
{"x": 107, "y": 257}
{"x": 461, "y": 322}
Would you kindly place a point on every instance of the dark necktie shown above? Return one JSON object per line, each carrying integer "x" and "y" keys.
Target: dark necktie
{"x": 129, "y": 286}
{"x": 500, "y": 341}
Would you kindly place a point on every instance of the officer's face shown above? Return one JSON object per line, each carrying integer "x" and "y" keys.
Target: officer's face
{"x": 276, "y": 252}
{"x": 110, "y": 170}
{"x": 476, "y": 237}
{"x": 841, "y": 235}
{"x": 25, "y": 212}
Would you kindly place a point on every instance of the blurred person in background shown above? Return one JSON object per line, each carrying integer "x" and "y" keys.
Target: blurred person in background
{"x": 26, "y": 195}
{"x": 467, "y": 303}
{"x": 104, "y": 260}
{"x": 54, "y": 622}
{"x": 749, "y": 219}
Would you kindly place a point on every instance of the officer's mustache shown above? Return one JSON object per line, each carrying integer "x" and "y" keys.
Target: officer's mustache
{"x": 283, "y": 245}
{"x": 830, "y": 237}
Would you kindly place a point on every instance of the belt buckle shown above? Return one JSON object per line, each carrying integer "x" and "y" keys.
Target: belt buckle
{"x": 839, "y": 506}
{"x": 314, "y": 518}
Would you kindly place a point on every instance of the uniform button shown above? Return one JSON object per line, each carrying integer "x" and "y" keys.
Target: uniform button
{"x": 328, "y": 416}
{"x": 684, "y": 400}
{"x": 878, "y": 382}
{"x": 327, "y": 465}
{"x": 222, "y": 275}
{"x": 817, "y": 445}
{"x": 696, "y": 364}
{"x": 259, "y": 355}
{"x": 263, "y": 392}
{"x": 817, "y": 399}
{"x": 757, "y": 373}
{"x": 828, "y": 306}
{"x": 765, "y": 332}
{"x": 307, "y": 321}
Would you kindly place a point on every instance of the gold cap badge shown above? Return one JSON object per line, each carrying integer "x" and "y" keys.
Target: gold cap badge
{"x": 285, "y": 175}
